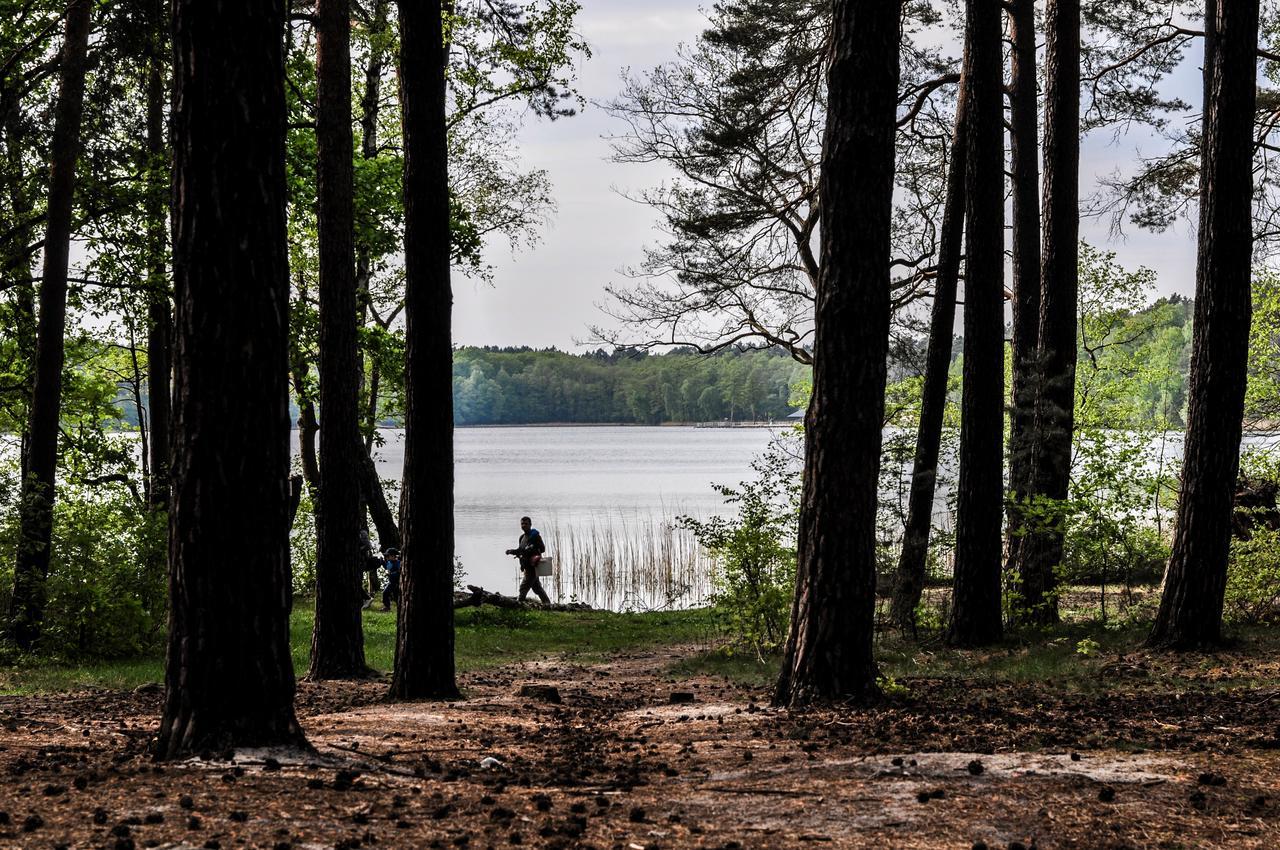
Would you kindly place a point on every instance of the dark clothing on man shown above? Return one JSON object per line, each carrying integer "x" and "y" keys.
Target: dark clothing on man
{"x": 392, "y": 591}
{"x": 529, "y": 551}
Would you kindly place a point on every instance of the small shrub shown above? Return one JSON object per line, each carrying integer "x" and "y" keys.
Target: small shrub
{"x": 755, "y": 570}
{"x": 1087, "y": 647}
{"x": 107, "y": 587}
{"x": 1253, "y": 578}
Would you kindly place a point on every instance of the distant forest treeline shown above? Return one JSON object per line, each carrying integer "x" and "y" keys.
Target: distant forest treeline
{"x": 1144, "y": 347}
{"x": 507, "y": 386}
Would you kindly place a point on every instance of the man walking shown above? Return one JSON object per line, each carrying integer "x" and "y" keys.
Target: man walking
{"x": 529, "y": 551}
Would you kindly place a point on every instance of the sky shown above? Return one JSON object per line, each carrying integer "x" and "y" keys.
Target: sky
{"x": 550, "y": 295}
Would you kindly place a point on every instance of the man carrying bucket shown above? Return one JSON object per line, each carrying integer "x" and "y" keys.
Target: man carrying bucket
{"x": 529, "y": 551}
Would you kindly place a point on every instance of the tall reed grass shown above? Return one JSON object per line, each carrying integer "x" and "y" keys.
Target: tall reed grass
{"x": 628, "y": 560}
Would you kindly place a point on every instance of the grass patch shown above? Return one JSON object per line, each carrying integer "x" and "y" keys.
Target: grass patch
{"x": 486, "y": 638}
{"x": 739, "y": 668}
{"x": 1081, "y": 658}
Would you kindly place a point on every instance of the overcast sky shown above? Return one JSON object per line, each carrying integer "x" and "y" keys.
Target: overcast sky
{"x": 549, "y": 295}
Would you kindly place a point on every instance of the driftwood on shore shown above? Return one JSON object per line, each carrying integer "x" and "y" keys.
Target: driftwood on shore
{"x": 474, "y": 597}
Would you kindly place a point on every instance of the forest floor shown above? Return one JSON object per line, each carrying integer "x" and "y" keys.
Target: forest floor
{"x": 652, "y": 748}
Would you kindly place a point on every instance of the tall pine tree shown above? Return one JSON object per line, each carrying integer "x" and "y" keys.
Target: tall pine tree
{"x": 828, "y": 652}
{"x": 229, "y": 677}
{"x": 1191, "y": 606}
{"x": 36, "y": 499}
{"x": 424, "y": 664}
{"x": 975, "y": 610}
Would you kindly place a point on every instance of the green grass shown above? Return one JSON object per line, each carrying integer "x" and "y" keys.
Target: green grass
{"x": 486, "y": 638}
{"x": 743, "y": 668}
{"x": 490, "y": 637}
{"x": 1078, "y": 657}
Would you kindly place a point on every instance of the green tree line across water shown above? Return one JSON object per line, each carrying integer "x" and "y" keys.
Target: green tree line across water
{"x": 1144, "y": 342}
{"x": 501, "y": 386}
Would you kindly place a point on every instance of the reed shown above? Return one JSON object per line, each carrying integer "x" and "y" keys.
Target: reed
{"x": 628, "y": 561}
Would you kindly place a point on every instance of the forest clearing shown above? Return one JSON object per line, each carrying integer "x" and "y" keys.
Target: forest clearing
{"x": 671, "y": 746}
{"x": 1007, "y": 575}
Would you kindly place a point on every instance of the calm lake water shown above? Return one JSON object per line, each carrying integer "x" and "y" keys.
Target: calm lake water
{"x": 589, "y": 489}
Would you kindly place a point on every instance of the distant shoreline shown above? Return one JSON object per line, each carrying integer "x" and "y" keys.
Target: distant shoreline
{"x": 718, "y": 425}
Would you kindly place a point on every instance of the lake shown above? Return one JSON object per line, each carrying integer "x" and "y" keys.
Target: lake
{"x": 601, "y": 493}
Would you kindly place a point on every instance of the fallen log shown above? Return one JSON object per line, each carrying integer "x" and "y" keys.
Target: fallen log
{"x": 474, "y": 597}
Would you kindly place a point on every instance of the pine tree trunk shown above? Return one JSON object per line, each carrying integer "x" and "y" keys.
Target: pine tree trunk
{"x": 1024, "y": 153}
{"x": 19, "y": 266}
{"x": 31, "y": 570}
{"x": 424, "y": 664}
{"x": 370, "y": 103}
{"x": 337, "y": 639}
{"x": 159, "y": 311}
{"x": 1040, "y": 552}
{"x": 376, "y": 501}
{"x": 828, "y": 653}
{"x": 308, "y": 426}
{"x": 1190, "y": 613}
{"x": 229, "y": 678}
{"x": 933, "y": 400}
{"x": 975, "y": 611}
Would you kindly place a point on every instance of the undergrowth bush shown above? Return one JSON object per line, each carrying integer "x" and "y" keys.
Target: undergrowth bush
{"x": 1253, "y": 571}
{"x": 107, "y": 587}
{"x": 1253, "y": 578}
{"x": 755, "y": 558}
{"x": 107, "y": 576}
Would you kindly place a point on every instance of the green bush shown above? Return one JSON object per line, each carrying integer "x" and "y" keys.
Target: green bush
{"x": 107, "y": 587}
{"x": 302, "y": 547}
{"x": 1253, "y": 578}
{"x": 107, "y": 576}
{"x": 755, "y": 559}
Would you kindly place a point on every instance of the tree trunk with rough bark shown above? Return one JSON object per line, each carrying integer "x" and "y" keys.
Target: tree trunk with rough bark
{"x": 370, "y": 103}
{"x": 933, "y": 398}
{"x": 36, "y": 499}
{"x": 384, "y": 521}
{"x": 21, "y": 205}
{"x": 159, "y": 309}
{"x": 1024, "y": 153}
{"x": 828, "y": 654}
{"x": 424, "y": 663}
{"x": 374, "y": 499}
{"x": 1040, "y": 552}
{"x": 229, "y": 679}
{"x": 337, "y": 637}
{"x": 1190, "y": 613}
{"x": 975, "y": 604}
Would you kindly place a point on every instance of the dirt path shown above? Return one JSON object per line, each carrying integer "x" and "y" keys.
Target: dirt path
{"x": 617, "y": 765}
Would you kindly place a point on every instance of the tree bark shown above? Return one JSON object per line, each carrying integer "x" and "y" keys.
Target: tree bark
{"x": 828, "y": 654}
{"x": 376, "y": 500}
{"x": 975, "y": 612}
{"x": 337, "y": 639}
{"x": 933, "y": 399}
{"x": 229, "y": 679}
{"x": 1190, "y": 614}
{"x": 36, "y": 500}
{"x": 24, "y": 300}
{"x": 1024, "y": 152}
{"x": 1040, "y": 552}
{"x": 159, "y": 311}
{"x": 370, "y": 103}
{"x": 424, "y": 663}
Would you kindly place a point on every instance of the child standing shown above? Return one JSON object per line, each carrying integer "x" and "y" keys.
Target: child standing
{"x": 392, "y": 589}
